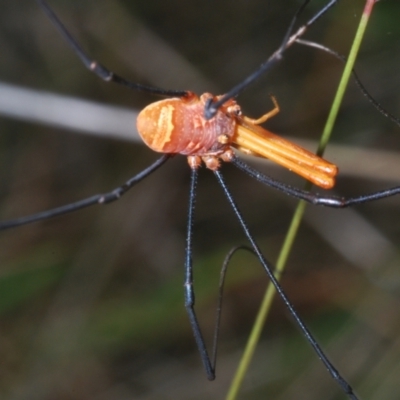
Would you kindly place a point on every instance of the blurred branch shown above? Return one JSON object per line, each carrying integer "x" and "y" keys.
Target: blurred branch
{"x": 81, "y": 116}
{"x": 105, "y": 121}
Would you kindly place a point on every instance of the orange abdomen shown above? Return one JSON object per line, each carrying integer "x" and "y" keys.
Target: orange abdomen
{"x": 178, "y": 126}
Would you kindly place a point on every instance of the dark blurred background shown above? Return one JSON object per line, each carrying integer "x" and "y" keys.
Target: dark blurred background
{"x": 92, "y": 303}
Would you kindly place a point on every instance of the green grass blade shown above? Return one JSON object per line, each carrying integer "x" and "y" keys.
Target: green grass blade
{"x": 299, "y": 212}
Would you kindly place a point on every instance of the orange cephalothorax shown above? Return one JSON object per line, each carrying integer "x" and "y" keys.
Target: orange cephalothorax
{"x": 178, "y": 125}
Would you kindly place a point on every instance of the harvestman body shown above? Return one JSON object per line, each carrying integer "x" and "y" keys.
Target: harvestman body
{"x": 179, "y": 126}
{"x": 208, "y": 129}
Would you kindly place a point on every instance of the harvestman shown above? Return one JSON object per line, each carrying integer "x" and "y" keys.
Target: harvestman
{"x": 207, "y": 129}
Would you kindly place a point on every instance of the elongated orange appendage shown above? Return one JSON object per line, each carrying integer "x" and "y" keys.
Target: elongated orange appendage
{"x": 263, "y": 143}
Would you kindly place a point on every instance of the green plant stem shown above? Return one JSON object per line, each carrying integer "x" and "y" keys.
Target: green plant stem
{"x": 299, "y": 212}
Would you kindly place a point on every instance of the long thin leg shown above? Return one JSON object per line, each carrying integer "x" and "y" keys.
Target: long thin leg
{"x": 188, "y": 283}
{"x": 212, "y": 107}
{"x": 209, "y": 364}
{"x": 95, "y": 67}
{"x": 268, "y": 269}
{"x": 221, "y": 285}
{"x": 96, "y": 199}
{"x": 316, "y": 199}
{"x": 363, "y": 89}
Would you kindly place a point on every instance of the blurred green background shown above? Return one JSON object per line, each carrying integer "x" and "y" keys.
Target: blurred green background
{"x": 92, "y": 303}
